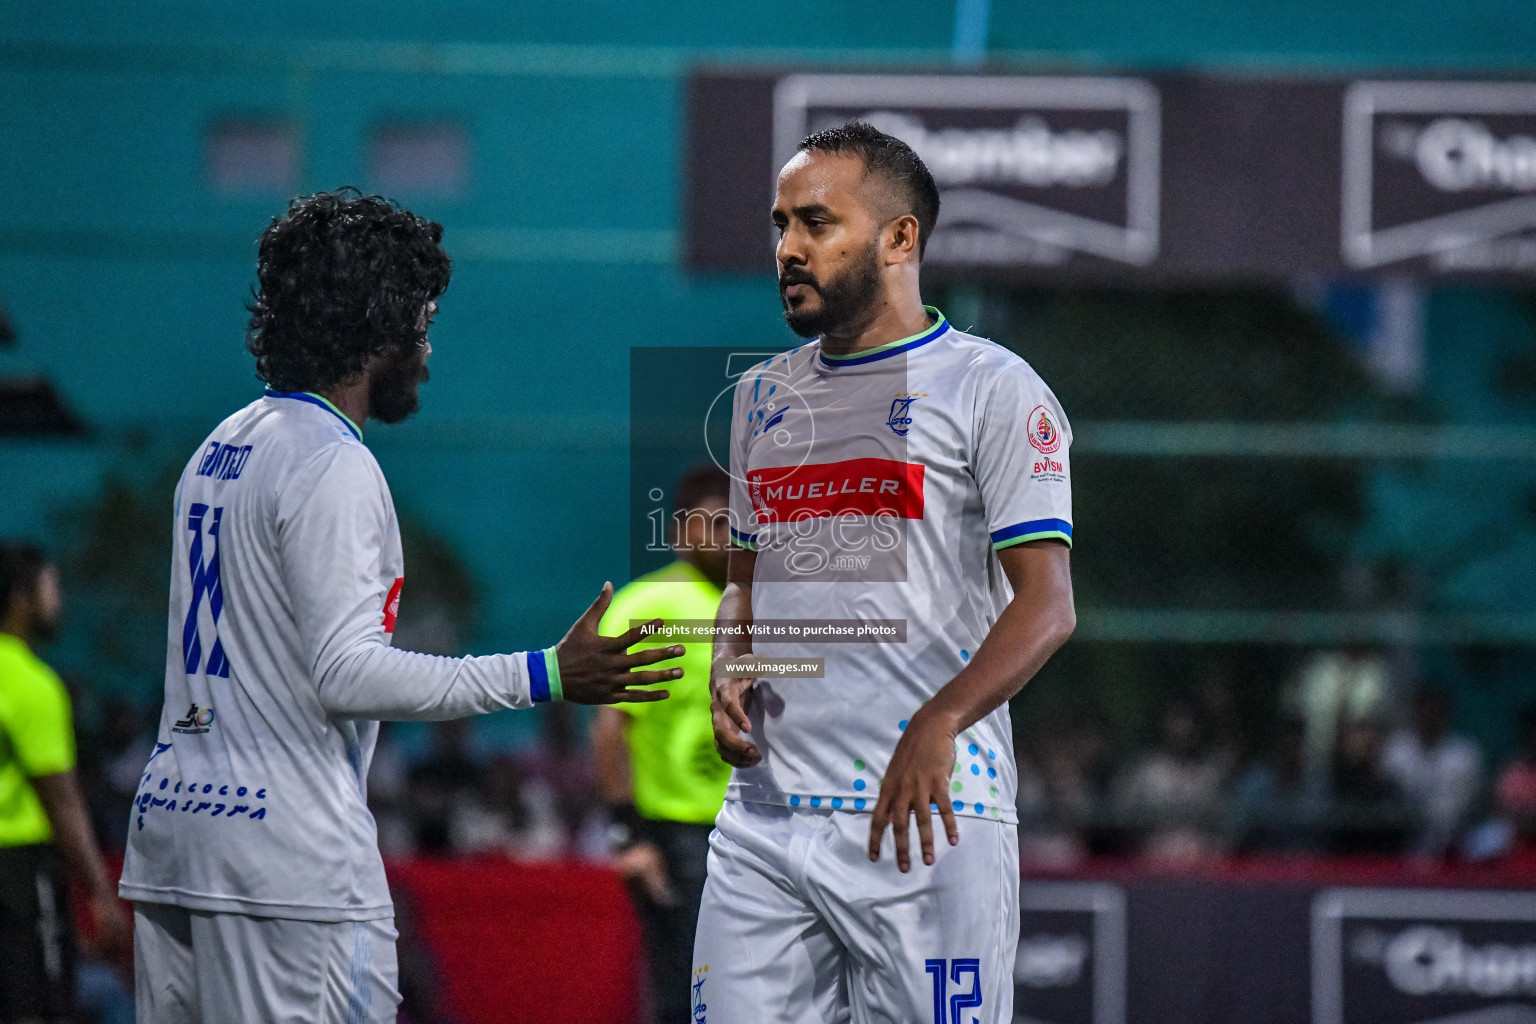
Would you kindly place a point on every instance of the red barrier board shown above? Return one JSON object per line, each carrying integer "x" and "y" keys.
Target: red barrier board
{"x": 522, "y": 943}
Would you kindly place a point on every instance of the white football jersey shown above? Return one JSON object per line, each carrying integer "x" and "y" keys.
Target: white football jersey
{"x": 878, "y": 486}
{"x": 285, "y": 582}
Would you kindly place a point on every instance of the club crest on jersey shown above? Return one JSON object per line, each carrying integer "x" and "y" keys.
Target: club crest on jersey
{"x": 900, "y": 419}
{"x": 1043, "y": 433}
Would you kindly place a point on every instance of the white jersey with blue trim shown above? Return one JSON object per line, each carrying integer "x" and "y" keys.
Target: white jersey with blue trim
{"x": 879, "y": 485}
{"x": 285, "y": 581}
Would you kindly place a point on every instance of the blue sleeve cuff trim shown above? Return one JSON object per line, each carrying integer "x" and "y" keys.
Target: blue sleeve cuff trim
{"x": 1038, "y": 529}
{"x": 543, "y": 685}
{"x": 744, "y": 540}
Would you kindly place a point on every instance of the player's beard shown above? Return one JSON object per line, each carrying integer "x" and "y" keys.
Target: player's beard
{"x": 845, "y": 299}
{"x": 394, "y": 389}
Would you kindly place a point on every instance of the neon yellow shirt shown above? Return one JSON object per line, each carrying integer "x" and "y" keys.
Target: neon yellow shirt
{"x": 677, "y": 774}
{"x": 36, "y": 738}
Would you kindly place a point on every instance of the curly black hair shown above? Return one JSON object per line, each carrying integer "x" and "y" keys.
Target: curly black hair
{"x": 886, "y": 155}
{"x": 341, "y": 277}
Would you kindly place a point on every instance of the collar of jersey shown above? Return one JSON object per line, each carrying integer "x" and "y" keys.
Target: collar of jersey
{"x": 890, "y": 348}
{"x": 322, "y": 402}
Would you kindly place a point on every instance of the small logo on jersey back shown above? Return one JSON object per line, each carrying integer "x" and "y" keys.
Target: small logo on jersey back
{"x": 392, "y": 604}
{"x": 700, "y": 1008}
{"x": 198, "y": 721}
{"x": 900, "y": 419}
{"x": 1043, "y": 433}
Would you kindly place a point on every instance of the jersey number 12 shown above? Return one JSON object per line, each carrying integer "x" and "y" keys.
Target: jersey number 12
{"x": 949, "y": 1009}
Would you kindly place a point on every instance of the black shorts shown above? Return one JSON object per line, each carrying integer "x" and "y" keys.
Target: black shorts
{"x": 37, "y": 941}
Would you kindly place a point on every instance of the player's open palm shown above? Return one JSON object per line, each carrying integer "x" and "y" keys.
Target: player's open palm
{"x": 730, "y": 698}
{"x": 917, "y": 779}
{"x": 597, "y": 669}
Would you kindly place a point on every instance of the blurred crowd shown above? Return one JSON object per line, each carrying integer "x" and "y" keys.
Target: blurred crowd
{"x": 1343, "y": 771}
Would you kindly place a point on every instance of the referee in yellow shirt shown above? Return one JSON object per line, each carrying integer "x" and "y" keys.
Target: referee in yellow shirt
{"x": 41, "y": 809}
{"x": 657, "y": 765}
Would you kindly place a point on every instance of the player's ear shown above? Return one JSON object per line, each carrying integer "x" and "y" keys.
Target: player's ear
{"x": 901, "y": 239}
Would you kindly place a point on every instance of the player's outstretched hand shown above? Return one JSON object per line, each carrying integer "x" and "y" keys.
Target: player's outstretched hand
{"x": 729, "y": 700}
{"x": 594, "y": 669}
{"x": 917, "y": 779}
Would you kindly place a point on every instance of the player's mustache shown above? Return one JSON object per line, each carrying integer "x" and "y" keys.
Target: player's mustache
{"x": 797, "y": 275}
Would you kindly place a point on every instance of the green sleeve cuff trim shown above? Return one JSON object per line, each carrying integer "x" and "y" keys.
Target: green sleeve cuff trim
{"x": 1042, "y": 535}
{"x": 552, "y": 666}
{"x": 748, "y": 545}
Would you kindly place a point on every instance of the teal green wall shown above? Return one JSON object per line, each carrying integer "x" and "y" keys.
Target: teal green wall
{"x": 125, "y": 275}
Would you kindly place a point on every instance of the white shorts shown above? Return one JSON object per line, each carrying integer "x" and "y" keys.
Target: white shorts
{"x": 197, "y": 967}
{"x": 799, "y": 927}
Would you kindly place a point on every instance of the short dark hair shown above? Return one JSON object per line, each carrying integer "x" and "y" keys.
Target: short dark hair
{"x": 705, "y": 480}
{"x": 21, "y": 564}
{"x": 341, "y": 277}
{"x": 893, "y": 160}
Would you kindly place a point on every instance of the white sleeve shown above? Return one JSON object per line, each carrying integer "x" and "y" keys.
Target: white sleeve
{"x": 1021, "y": 462}
{"x": 332, "y": 522}
{"x": 744, "y": 525}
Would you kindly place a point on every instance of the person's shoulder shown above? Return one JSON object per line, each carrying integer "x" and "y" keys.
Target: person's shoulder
{"x": 645, "y": 589}
{"x": 984, "y": 357}
{"x": 305, "y": 425}
{"x": 29, "y": 678}
{"x": 667, "y": 592}
{"x": 766, "y": 373}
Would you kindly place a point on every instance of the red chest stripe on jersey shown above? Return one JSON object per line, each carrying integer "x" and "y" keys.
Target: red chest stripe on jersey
{"x": 852, "y": 487}
{"x": 392, "y": 604}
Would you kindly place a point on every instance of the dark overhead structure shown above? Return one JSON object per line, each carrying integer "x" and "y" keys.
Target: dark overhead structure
{"x": 1148, "y": 179}
{"x": 29, "y": 406}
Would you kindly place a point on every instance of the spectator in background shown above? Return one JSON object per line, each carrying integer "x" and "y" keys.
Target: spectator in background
{"x": 438, "y": 787}
{"x": 1057, "y": 794}
{"x": 1277, "y": 805}
{"x": 1437, "y": 772}
{"x": 1367, "y": 814}
{"x": 123, "y": 744}
{"x": 1334, "y": 688}
{"x": 42, "y": 812}
{"x": 561, "y": 766}
{"x": 512, "y": 815}
{"x": 1515, "y": 793}
{"x": 657, "y": 765}
{"x": 1174, "y": 793}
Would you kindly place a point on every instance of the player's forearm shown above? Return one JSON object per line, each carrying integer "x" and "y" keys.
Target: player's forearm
{"x": 735, "y": 612}
{"x": 372, "y": 680}
{"x": 65, "y": 807}
{"x": 735, "y": 606}
{"x": 1031, "y": 628}
{"x": 610, "y": 751}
